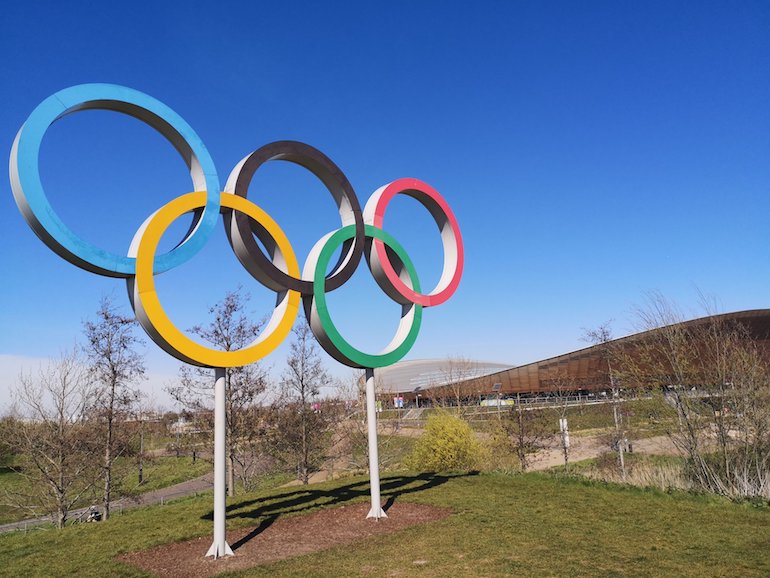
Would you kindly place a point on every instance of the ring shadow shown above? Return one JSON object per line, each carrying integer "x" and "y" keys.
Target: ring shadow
{"x": 271, "y": 508}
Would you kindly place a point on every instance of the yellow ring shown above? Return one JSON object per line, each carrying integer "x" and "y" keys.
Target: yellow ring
{"x": 153, "y": 318}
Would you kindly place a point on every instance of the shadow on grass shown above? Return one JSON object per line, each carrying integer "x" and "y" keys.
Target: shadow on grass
{"x": 264, "y": 524}
{"x": 268, "y": 509}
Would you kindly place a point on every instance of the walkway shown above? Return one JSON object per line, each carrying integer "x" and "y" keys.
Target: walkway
{"x": 587, "y": 447}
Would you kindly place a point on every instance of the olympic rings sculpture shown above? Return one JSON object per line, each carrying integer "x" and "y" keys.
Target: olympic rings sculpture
{"x": 360, "y": 234}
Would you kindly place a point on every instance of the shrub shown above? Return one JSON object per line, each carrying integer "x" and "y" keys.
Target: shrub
{"x": 448, "y": 444}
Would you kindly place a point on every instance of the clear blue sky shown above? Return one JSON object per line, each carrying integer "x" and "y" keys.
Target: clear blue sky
{"x": 591, "y": 151}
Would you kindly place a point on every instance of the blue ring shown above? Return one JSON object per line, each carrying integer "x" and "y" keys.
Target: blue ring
{"x": 33, "y": 203}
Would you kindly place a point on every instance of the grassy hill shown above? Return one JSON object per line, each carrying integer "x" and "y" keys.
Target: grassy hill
{"x": 533, "y": 524}
{"x": 159, "y": 472}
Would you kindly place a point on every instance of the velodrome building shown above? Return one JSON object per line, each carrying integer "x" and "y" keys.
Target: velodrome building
{"x": 418, "y": 377}
{"x": 586, "y": 369}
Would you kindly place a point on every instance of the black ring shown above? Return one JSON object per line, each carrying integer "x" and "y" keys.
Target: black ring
{"x": 239, "y": 227}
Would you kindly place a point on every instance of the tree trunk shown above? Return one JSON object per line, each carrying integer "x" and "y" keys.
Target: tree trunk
{"x": 107, "y": 481}
{"x": 565, "y": 440}
{"x": 141, "y": 450}
{"x": 108, "y": 468}
{"x": 305, "y": 476}
{"x": 522, "y": 438}
{"x": 60, "y": 495}
{"x": 230, "y": 474}
{"x": 619, "y": 435}
{"x": 61, "y": 505}
{"x": 565, "y": 449}
{"x": 229, "y": 437}
{"x": 61, "y": 516}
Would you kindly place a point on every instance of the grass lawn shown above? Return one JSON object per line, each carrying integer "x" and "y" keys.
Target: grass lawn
{"x": 644, "y": 417}
{"x": 10, "y": 481}
{"x": 532, "y": 524}
{"x": 393, "y": 450}
{"x": 159, "y": 473}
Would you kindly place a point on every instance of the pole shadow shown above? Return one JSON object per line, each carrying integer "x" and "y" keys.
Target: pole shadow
{"x": 270, "y": 508}
{"x": 264, "y": 524}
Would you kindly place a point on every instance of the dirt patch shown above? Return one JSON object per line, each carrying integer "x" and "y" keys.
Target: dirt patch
{"x": 280, "y": 539}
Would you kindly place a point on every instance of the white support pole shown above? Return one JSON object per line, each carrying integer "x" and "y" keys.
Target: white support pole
{"x": 219, "y": 546}
{"x": 374, "y": 459}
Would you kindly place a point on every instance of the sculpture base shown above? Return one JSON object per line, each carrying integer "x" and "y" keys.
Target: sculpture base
{"x": 215, "y": 550}
{"x": 375, "y": 515}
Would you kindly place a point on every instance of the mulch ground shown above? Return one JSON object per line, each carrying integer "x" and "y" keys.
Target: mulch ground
{"x": 284, "y": 538}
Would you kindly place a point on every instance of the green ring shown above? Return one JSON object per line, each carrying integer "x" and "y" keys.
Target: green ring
{"x": 346, "y": 351}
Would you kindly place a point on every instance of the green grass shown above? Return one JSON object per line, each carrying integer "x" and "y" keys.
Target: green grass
{"x": 267, "y": 482}
{"x": 393, "y": 450}
{"x": 636, "y": 415}
{"x": 638, "y": 418}
{"x": 396, "y": 449}
{"x": 401, "y": 445}
{"x": 10, "y": 481}
{"x": 502, "y": 525}
{"x": 630, "y": 459}
{"x": 158, "y": 473}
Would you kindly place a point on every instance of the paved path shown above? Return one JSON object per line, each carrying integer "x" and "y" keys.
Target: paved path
{"x": 586, "y": 447}
{"x": 188, "y": 488}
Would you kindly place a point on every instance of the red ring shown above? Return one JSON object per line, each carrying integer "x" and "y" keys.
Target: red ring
{"x": 439, "y": 209}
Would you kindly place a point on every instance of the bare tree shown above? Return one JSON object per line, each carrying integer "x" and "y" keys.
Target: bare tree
{"x": 253, "y": 458}
{"x": 601, "y": 336}
{"x": 715, "y": 378}
{"x": 144, "y": 407}
{"x": 230, "y": 329}
{"x": 115, "y": 367}
{"x": 351, "y": 443}
{"x": 8, "y": 450}
{"x": 525, "y": 432}
{"x": 563, "y": 391}
{"x": 304, "y": 432}
{"x": 456, "y": 383}
{"x": 53, "y": 439}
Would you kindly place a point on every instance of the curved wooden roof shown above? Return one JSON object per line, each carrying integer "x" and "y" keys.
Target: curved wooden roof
{"x": 587, "y": 368}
